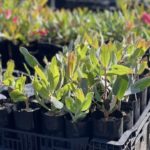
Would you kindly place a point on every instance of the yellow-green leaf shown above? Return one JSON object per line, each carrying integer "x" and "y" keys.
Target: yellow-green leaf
{"x": 105, "y": 55}
{"x": 79, "y": 95}
{"x": 41, "y": 74}
{"x": 119, "y": 70}
{"x": 142, "y": 66}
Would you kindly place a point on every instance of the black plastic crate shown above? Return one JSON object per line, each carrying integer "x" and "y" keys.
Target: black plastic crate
{"x": 18, "y": 140}
{"x": 137, "y": 138}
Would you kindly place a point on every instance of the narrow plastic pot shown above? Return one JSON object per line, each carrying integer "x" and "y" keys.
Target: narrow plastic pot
{"x": 26, "y": 120}
{"x": 6, "y": 121}
{"x": 143, "y": 100}
{"x": 110, "y": 128}
{"x": 127, "y": 111}
{"x": 6, "y": 117}
{"x": 77, "y": 129}
{"x": 135, "y": 103}
{"x": 53, "y": 125}
{"x": 148, "y": 94}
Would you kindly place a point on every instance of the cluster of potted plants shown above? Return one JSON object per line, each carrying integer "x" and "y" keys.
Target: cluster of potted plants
{"x": 94, "y": 87}
{"x": 36, "y": 26}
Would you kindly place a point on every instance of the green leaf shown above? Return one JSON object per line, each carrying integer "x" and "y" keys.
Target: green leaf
{"x": 53, "y": 74}
{"x": 41, "y": 74}
{"x": 88, "y": 101}
{"x": 119, "y": 70}
{"x": 82, "y": 51}
{"x": 36, "y": 85}
{"x": 9, "y": 81}
{"x": 70, "y": 104}
{"x": 138, "y": 86}
{"x": 93, "y": 61}
{"x": 56, "y": 103}
{"x": 84, "y": 85}
{"x": 17, "y": 96}
{"x": 105, "y": 55}
{"x": 31, "y": 60}
{"x": 141, "y": 67}
{"x": 20, "y": 83}
{"x": 71, "y": 64}
{"x": 120, "y": 86}
{"x": 142, "y": 83}
{"x": 10, "y": 69}
{"x": 63, "y": 91}
{"x": 88, "y": 38}
{"x": 79, "y": 95}
{"x": 40, "y": 89}
{"x": 44, "y": 93}
{"x": 137, "y": 55}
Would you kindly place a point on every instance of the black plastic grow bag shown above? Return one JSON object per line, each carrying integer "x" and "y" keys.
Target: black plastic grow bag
{"x": 137, "y": 138}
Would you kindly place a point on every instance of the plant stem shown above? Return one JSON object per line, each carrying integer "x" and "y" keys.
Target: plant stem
{"x": 106, "y": 114}
{"x": 105, "y": 95}
{"x": 27, "y": 104}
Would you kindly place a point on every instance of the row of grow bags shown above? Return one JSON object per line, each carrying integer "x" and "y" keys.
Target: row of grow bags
{"x": 83, "y": 3}
{"x": 92, "y": 4}
{"x": 136, "y": 138}
{"x": 9, "y": 50}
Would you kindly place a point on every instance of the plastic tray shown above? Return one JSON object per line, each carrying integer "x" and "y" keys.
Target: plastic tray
{"x": 137, "y": 138}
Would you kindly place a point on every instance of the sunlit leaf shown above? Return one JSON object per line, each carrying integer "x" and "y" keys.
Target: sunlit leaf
{"x": 87, "y": 102}
{"x": 119, "y": 70}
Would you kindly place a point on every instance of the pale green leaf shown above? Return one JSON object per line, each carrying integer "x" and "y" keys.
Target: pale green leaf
{"x": 119, "y": 70}
{"x": 20, "y": 83}
{"x": 120, "y": 86}
{"x": 9, "y": 70}
{"x": 17, "y": 96}
{"x": 142, "y": 66}
{"x": 57, "y": 104}
{"x": 138, "y": 86}
{"x": 88, "y": 101}
{"x": 41, "y": 74}
{"x": 70, "y": 104}
{"x": 79, "y": 95}
{"x": 31, "y": 60}
{"x": 53, "y": 74}
{"x": 105, "y": 55}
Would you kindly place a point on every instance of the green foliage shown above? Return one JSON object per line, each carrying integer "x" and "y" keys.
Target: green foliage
{"x": 31, "y": 60}
{"x": 19, "y": 20}
{"x": 120, "y": 86}
{"x": 48, "y": 87}
{"x": 8, "y": 78}
{"x": 18, "y": 91}
{"x": 79, "y": 104}
{"x": 138, "y": 86}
